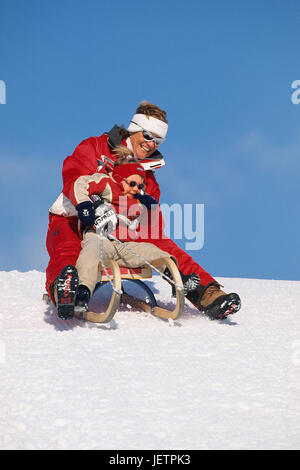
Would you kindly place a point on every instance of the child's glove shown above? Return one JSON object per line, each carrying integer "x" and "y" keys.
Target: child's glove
{"x": 106, "y": 219}
{"x": 86, "y": 213}
{"x": 146, "y": 200}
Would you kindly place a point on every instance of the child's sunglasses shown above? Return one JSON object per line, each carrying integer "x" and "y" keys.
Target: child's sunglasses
{"x": 132, "y": 184}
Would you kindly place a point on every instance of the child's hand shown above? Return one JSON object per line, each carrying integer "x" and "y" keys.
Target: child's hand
{"x": 106, "y": 219}
{"x": 86, "y": 213}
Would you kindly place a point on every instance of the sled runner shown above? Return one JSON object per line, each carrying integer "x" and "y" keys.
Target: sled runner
{"x": 113, "y": 269}
{"x": 114, "y": 274}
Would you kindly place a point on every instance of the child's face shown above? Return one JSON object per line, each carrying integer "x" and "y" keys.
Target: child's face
{"x": 130, "y": 191}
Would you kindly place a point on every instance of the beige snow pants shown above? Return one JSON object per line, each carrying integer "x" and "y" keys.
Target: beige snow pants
{"x": 89, "y": 257}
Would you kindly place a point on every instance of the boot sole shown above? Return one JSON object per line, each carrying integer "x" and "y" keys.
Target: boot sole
{"x": 66, "y": 288}
{"x": 231, "y": 305}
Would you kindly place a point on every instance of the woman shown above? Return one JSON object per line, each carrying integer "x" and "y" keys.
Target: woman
{"x": 146, "y": 132}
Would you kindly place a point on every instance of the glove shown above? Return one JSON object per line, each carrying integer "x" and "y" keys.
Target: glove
{"x": 146, "y": 200}
{"x": 106, "y": 219}
{"x": 86, "y": 213}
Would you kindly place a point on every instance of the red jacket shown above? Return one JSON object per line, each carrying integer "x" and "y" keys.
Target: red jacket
{"x": 94, "y": 155}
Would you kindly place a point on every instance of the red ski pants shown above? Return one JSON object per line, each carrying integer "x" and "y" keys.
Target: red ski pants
{"x": 64, "y": 245}
{"x": 185, "y": 262}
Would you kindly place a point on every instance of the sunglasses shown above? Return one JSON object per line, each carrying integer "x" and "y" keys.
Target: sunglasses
{"x": 132, "y": 184}
{"x": 149, "y": 136}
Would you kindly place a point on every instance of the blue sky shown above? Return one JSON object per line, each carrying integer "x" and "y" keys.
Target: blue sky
{"x": 223, "y": 72}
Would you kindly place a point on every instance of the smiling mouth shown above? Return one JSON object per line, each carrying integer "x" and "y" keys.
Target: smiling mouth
{"x": 146, "y": 149}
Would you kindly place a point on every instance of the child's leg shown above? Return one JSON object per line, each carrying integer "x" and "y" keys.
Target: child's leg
{"x": 147, "y": 251}
{"x": 89, "y": 259}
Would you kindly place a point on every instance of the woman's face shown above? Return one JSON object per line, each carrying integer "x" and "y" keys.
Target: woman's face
{"x": 130, "y": 191}
{"x": 141, "y": 147}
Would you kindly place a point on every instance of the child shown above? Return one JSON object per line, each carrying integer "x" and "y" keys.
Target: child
{"x": 121, "y": 191}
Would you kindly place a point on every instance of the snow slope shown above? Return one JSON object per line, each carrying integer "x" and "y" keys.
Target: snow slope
{"x": 140, "y": 383}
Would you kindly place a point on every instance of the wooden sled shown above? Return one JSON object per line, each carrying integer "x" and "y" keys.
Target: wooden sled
{"x": 117, "y": 274}
{"x": 136, "y": 275}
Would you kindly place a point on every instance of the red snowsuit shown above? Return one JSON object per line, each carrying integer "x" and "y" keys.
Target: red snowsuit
{"x": 95, "y": 155}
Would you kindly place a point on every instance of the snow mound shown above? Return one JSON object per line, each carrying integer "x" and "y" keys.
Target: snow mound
{"x": 142, "y": 383}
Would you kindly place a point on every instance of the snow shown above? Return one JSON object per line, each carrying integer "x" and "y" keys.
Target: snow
{"x": 142, "y": 383}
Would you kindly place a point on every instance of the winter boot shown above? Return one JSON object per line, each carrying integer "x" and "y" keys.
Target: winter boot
{"x": 66, "y": 289}
{"x": 215, "y": 303}
{"x": 82, "y": 299}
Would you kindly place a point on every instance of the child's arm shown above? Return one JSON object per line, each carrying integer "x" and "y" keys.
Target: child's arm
{"x": 152, "y": 187}
{"x": 87, "y": 185}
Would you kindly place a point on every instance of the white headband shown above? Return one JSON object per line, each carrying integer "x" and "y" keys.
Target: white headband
{"x": 148, "y": 123}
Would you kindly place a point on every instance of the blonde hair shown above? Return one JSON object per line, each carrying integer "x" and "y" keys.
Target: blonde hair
{"x": 124, "y": 155}
{"x": 150, "y": 109}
